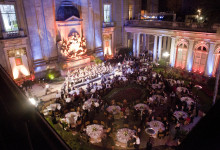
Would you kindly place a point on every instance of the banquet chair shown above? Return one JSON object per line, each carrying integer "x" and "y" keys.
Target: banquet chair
{"x": 95, "y": 121}
{"x": 158, "y": 118}
{"x": 87, "y": 123}
{"x": 135, "y": 128}
{"x": 161, "y": 135}
{"x": 126, "y": 125}
{"x": 103, "y": 123}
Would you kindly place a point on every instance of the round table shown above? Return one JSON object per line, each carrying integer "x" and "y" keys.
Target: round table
{"x": 156, "y": 86}
{"x": 71, "y": 117}
{"x": 143, "y": 69}
{"x": 95, "y": 133}
{"x": 154, "y": 97}
{"x": 156, "y": 126}
{"x": 142, "y": 77}
{"x": 179, "y": 114}
{"x": 123, "y": 136}
{"x": 141, "y": 107}
{"x": 74, "y": 91}
{"x": 180, "y": 89}
{"x": 171, "y": 81}
{"x": 188, "y": 100}
{"x": 87, "y": 104}
{"x": 122, "y": 78}
{"x": 54, "y": 106}
{"x": 114, "y": 109}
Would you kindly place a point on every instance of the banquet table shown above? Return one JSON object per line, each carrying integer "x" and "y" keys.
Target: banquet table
{"x": 154, "y": 97}
{"x": 71, "y": 117}
{"x": 188, "y": 100}
{"x": 143, "y": 69}
{"x": 142, "y": 77}
{"x": 141, "y": 107}
{"x": 171, "y": 81}
{"x": 95, "y": 133}
{"x": 123, "y": 78}
{"x": 156, "y": 126}
{"x": 123, "y": 136}
{"x": 87, "y": 104}
{"x": 179, "y": 114}
{"x": 114, "y": 109}
{"x": 156, "y": 86}
{"x": 74, "y": 91}
{"x": 180, "y": 89}
{"x": 54, "y": 106}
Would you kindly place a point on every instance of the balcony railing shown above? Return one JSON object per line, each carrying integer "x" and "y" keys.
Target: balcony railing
{"x": 12, "y": 34}
{"x": 108, "y": 24}
{"x": 171, "y": 25}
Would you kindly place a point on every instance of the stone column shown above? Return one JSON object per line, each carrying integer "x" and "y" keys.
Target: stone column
{"x": 134, "y": 44}
{"x": 168, "y": 43}
{"x": 144, "y": 42}
{"x": 155, "y": 49}
{"x": 172, "y": 52}
{"x": 164, "y": 43}
{"x": 148, "y": 41}
{"x": 159, "y": 47}
{"x": 190, "y": 55}
{"x": 210, "y": 60}
{"x": 138, "y": 45}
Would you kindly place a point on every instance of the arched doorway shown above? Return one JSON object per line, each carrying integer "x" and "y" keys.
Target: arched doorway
{"x": 181, "y": 55}
{"x": 200, "y": 58}
{"x": 216, "y": 61}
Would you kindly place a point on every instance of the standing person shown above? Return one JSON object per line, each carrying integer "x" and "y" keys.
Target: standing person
{"x": 47, "y": 86}
{"x": 137, "y": 142}
{"x": 149, "y": 145}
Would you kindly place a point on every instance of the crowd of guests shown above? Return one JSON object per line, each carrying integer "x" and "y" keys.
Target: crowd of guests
{"x": 132, "y": 118}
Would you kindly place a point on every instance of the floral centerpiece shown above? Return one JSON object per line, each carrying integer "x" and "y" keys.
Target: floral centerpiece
{"x": 94, "y": 129}
{"x": 126, "y": 133}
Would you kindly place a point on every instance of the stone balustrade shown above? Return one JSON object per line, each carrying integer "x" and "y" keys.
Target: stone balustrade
{"x": 171, "y": 25}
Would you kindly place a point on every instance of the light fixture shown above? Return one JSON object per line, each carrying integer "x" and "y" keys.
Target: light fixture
{"x": 33, "y": 101}
{"x": 166, "y": 54}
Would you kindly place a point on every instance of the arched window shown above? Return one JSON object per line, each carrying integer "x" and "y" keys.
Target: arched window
{"x": 200, "y": 57}
{"x": 181, "y": 55}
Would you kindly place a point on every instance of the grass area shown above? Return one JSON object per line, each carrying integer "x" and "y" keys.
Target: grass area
{"x": 74, "y": 141}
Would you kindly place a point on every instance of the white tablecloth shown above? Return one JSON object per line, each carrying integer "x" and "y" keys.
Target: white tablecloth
{"x": 141, "y": 107}
{"x": 124, "y": 134}
{"x": 123, "y": 78}
{"x": 154, "y": 97}
{"x": 73, "y": 91}
{"x": 71, "y": 117}
{"x": 179, "y": 114}
{"x": 54, "y": 106}
{"x": 95, "y": 131}
{"x": 114, "y": 109}
{"x": 143, "y": 69}
{"x": 87, "y": 104}
{"x": 142, "y": 77}
{"x": 156, "y": 125}
{"x": 188, "y": 100}
{"x": 171, "y": 81}
{"x": 156, "y": 86}
{"x": 180, "y": 89}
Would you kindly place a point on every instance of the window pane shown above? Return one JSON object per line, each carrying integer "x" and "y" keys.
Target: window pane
{"x": 9, "y": 17}
{"x": 107, "y": 13}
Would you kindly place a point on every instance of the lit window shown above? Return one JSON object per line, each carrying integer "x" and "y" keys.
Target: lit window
{"x": 9, "y": 17}
{"x": 130, "y": 12}
{"x": 107, "y": 13}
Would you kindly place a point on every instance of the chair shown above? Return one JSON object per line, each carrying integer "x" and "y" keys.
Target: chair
{"x": 103, "y": 123}
{"x": 72, "y": 109}
{"x": 87, "y": 123}
{"x": 135, "y": 127}
{"x": 126, "y": 125}
{"x": 95, "y": 121}
{"x": 161, "y": 135}
{"x": 158, "y": 118}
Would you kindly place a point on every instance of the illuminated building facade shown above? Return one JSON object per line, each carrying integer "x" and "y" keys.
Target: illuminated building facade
{"x": 32, "y": 31}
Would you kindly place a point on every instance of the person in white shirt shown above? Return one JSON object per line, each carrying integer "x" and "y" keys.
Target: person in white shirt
{"x": 47, "y": 86}
{"x": 137, "y": 142}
